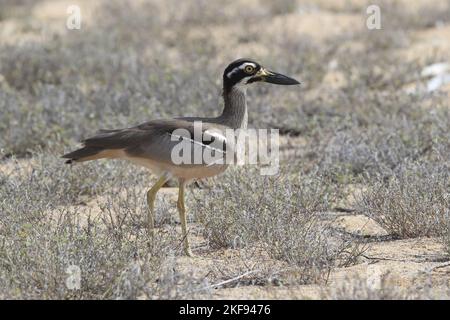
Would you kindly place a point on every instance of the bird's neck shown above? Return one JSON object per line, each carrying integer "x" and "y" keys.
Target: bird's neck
{"x": 235, "y": 113}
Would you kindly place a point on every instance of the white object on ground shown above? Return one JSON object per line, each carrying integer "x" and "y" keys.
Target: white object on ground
{"x": 435, "y": 69}
{"x": 439, "y": 74}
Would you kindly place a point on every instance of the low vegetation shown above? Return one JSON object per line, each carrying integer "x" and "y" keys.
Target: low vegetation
{"x": 414, "y": 202}
{"x": 285, "y": 223}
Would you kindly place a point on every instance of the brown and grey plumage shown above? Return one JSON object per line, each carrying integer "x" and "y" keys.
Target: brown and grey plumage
{"x": 151, "y": 144}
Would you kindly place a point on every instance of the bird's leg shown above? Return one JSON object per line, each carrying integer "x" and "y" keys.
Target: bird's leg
{"x": 151, "y": 195}
{"x": 182, "y": 211}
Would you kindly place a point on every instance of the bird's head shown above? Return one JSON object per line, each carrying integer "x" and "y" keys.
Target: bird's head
{"x": 242, "y": 72}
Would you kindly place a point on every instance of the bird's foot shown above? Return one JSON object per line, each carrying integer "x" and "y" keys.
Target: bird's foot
{"x": 189, "y": 253}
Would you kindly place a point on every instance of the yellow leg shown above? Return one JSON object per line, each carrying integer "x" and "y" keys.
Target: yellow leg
{"x": 151, "y": 195}
{"x": 182, "y": 211}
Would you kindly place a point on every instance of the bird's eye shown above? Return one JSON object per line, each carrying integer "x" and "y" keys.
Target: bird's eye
{"x": 249, "y": 69}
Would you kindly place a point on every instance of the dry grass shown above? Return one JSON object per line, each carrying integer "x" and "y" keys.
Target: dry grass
{"x": 286, "y": 223}
{"x": 446, "y": 232}
{"x": 45, "y": 228}
{"x": 415, "y": 202}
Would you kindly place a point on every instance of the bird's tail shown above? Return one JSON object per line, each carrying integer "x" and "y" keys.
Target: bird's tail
{"x": 84, "y": 154}
{"x": 106, "y": 144}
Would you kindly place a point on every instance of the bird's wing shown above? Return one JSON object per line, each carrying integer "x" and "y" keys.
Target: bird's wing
{"x": 157, "y": 139}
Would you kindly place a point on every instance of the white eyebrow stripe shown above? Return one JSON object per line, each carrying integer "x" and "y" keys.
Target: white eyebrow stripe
{"x": 242, "y": 66}
{"x": 229, "y": 74}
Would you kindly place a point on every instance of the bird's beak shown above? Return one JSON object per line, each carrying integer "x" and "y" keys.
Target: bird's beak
{"x": 272, "y": 77}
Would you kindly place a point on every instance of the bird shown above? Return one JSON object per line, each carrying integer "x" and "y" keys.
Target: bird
{"x": 151, "y": 144}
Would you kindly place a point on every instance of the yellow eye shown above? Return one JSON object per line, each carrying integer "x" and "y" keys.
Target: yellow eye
{"x": 249, "y": 69}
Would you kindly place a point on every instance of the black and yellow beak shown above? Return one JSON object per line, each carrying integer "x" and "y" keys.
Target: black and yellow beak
{"x": 272, "y": 77}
